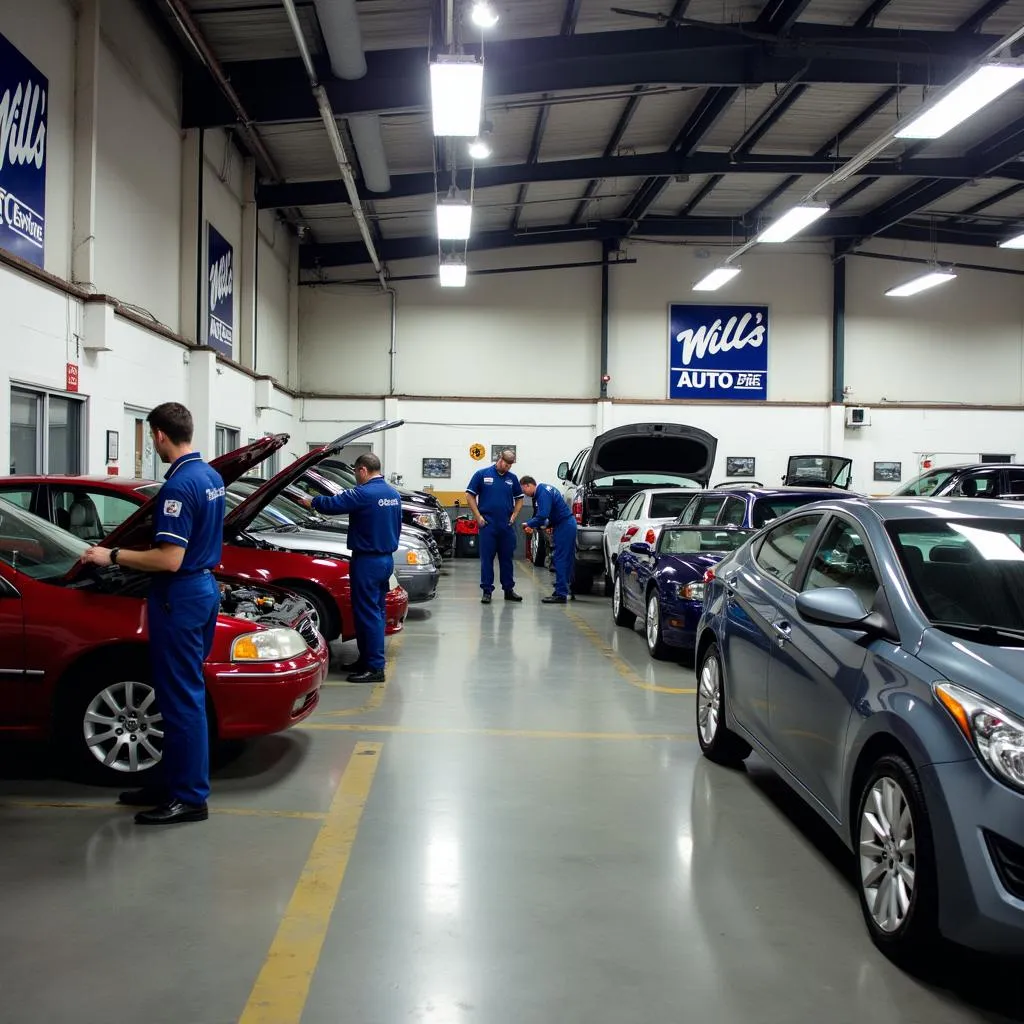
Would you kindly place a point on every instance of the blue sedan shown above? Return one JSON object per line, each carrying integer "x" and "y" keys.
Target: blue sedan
{"x": 872, "y": 652}
{"x": 664, "y": 583}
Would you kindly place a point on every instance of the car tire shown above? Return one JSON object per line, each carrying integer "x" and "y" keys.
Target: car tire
{"x": 620, "y": 613}
{"x": 609, "y": 584}
{"x": 656, "y": 647}
{"x": 717, "y": 742}
{"x": 108, "y": 721}
{"x": 583, "y": 581}
{"x": 896, "y": 862}
{"x": 325, "y": 618}
{"x": 537, "y": 551}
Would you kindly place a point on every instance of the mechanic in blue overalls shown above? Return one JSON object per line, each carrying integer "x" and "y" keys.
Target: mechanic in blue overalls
{"x": 495, "y": 498}
{"x": 550, "y": 510}
{"x": 374, "y": 510}
{"x": 182, "y": 607}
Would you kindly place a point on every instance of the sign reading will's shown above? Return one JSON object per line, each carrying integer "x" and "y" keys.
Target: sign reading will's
{"x": 220, "y": 294}
{"x": 23, "y": 103}
{"x": 718, "y": 352}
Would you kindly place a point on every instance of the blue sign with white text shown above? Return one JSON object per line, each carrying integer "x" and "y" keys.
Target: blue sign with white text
{"x": 718, "y": 352}
{"x": 23, "y": 109}
{"x": 220, "y": 295}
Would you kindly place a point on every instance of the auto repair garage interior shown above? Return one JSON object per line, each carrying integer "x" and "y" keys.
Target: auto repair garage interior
{"x": 776, "y": 248}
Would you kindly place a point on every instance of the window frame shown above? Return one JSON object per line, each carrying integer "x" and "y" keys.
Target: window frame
{"x": 227, "y": 429}
{"x": 800, "y": 569}
{"x": 735, "y": 500}
{"x": 819, "y": 538}
{"x": 42, "y": 395}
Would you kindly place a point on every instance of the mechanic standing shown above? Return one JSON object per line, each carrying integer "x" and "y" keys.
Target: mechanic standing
{"x": 550, "y": 510}
{"x": 495, "y": 498}
{"x": 374, "y": 510}
{"x": 182, "y": 606}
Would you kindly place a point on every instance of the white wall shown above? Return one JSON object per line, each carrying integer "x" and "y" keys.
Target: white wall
{"x": 274, "y": 297}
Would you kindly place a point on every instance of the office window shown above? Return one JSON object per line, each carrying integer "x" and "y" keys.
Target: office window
{"x": 226, "y": 439}
{"x": 46, "y": 432}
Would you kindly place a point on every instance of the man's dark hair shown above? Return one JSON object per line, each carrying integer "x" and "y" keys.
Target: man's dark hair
{"x": 174, "y": 420}
{"x": 369, "y": 462}
{"x": 526, "y": 480}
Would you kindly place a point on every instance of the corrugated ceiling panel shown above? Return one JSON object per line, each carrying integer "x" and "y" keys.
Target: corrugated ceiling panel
{"x": 904, "y": 103}
{"x": 408, "y": 143}
{"x": 544, "y": 214}
{"x": 736, "y": 194}
{"x": 337, "y": 229}
{"x": 817, "y": 115}
{"x": 933, "y": 14}
{"x": 742, "y": 113}
{"x": 968, "y": 195}
{"x": 1006, "y": 19}
{"x": 612, "y": 197}
{"x": 834, "y": 12}
{"x": 1012, "y": 207}
{"x": 657, "y": 120}
{"x": 872, "y": 196}
{"x": 597, "y": 15}
{"x": 255, "y": 34}
{"x": 513, "y": 131}
{"x": 300, "y": 151}
{"x": 403, "y": 206}
{"x": 676, "y": 195}
{"x": 727, "y": 12}
{"x": 980, "y": 126}
{"x": 521, "y": 19}
{"x": 415, "y": 226}
{"x": 790, "y": 197}
{"x": 394, "y": 24}
{"x": 578, "y": 130}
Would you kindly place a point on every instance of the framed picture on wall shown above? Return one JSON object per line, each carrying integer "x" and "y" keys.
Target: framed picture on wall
{"x": 740, "y": 465}
{"x": 888, "y": 472}
{"x": 497, "y": 449}
{"x": 437, "y": 469}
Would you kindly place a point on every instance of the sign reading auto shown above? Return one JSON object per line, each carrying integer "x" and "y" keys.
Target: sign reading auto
{"x": 220, "y": 293}
{"x": 23, "y": 109}
{"x": 718, "y": 352}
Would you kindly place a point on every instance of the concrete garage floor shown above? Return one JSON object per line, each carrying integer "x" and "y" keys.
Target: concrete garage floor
{"x": 526, "y": 832}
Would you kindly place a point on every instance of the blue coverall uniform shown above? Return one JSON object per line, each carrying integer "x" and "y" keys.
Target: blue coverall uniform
{"x": 374, "y": 530}
{"x": 182, "y": 608}
{"x": 551, "y": 510}
{"x": 496, "y": 496}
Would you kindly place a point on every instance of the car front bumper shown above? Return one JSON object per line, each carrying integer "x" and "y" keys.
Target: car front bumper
{"x": 419, "y": 582}
{"x": 976, "y": 908}
{"x": 396, "y": 609}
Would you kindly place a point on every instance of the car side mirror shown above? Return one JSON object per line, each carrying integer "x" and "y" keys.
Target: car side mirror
{"x": 640, "y": 548}
{"x": 841, "y": 608}
{"x": 563, "y": 470}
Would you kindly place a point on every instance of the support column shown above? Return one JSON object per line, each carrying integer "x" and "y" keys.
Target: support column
{"x": 247, "y": 291}
{"x": 293, "y": 315}
{"x": 390, "y": 449}
{"x": 202, "y": 391}
{"x": 838, "y": 328}
{"x": 191, "y": 276}
{"x": 87, "y": 58}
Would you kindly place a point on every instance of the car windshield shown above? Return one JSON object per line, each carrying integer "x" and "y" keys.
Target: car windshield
{"x": 925, "y": 484}
{"x": 280, "y": 512}
{"x": 668, "y": 506}
{"x": 965, "y": 573}
{"x": 696, "y": 541}
{"x": 35, "y": 547}
{"x": 641, "y": 480}
{"x": 767, "y": 509}
{"x": 337, "y": 475}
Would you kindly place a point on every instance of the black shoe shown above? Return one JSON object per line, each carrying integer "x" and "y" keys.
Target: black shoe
{"x": 148, "y": 796}
{"x": 554, "y": 599}
{"x": 172, "y": 813}
{"x": 370, "y": 676}
{"x": 511, "y": 595}
{"x": 486, "y": 599}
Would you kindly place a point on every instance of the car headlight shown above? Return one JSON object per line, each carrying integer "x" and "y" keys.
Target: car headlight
{"x": 996, "y": 735}
{"x": 418, "y": 556}
{"x": 268, "y": 645}
{"x": 424, "y": 519}
{"x": 689, "y": 591}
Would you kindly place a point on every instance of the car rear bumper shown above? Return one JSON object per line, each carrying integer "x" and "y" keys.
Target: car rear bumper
{"x": 976, "y": 822}
{"x": 397, "y": 607}
{"x": 590, "y": 545}
{"x": 256, "y": 700}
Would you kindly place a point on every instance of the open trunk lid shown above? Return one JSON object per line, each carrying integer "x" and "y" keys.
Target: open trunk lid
{"x": 818, "y": 471}
{"x": 672, "y": 448}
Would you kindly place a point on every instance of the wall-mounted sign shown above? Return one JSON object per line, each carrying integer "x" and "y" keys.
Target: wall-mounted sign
{"x": 220, "y": 294}
{"x": 71, "y": 377}
{"x": 437, "y": 469}
{"x": 718, "y": 352}
{"x": 477, "y": 452}
{"x": 23, "y": 115}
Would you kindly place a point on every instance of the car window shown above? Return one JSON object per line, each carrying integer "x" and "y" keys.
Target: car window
{"x": 978, "y": 485}
{"x": 733, "y": 513}
{"x": 669, "y": 504}
{"x": 20, "y": 496}
{"x": 34, "y": 546}
{"x": 696, "y": 541}
{"x": 925, "y": 484}
{"x": 841, "y": 560}
{"x": 708, "y": 509}
{"x": 1014, "y": 481}
{"x": 768, "y": 508}
{"x": 631, "y": 507}
{"x": 782, "y": 547}
{"x": 690, "y": 510}
{"x": 576, "y": 464}
{"x": 89, "y": 513}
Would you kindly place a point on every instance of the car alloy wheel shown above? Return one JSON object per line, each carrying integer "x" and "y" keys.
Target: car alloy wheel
{"x": 620, "y": 613}
{"x": 717, "y": 741}
{"x": 122, "y": 727}
{"x": 888, "y": 854}
{"x": 617, "y": 597}
{"x": 709, "y": 700}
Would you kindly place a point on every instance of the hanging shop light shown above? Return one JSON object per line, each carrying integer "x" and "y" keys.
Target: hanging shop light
{"x": 792, "y": 222}
{"x": 719, "y": 276}
{"x": 1017, "y": 242}
{"x": 456, "y": 95}
{"x": 479, "y": 149}
{"x": 921, "y": 284}
{"x": 454, "y": 218}
{"x": 453, "y": 272}
{"x": 484, "y": 15}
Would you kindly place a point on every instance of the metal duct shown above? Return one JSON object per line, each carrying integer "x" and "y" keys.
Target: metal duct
{"x": 339, "y": 22}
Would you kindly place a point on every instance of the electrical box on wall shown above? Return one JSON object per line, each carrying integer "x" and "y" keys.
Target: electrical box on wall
{"x": 858, "y": 416}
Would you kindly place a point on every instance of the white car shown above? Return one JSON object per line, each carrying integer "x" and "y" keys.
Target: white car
{"x": 641, "y": 519}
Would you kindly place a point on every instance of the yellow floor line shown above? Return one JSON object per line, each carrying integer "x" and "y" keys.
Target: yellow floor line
{"x": 70, "y": 805}
{"x": 376, "y": 697}
{"x": 282, "y": 987}
{"x": 529, "y": 734}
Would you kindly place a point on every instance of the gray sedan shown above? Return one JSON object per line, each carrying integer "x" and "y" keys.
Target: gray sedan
{"x": 872, "y": 652}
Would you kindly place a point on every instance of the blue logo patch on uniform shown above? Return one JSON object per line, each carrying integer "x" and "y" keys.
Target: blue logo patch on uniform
{"x": 172, "y": 508}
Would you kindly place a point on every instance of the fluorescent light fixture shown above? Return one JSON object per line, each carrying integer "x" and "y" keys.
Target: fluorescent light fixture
{"x": 454, "y": 217}
{"x": 453, "y": 272}
{"x": 484, "y": 15}
{"x": 479, "y": 149}
{"x": 792, "y": 222}
{"x": 988, "y": 83}
{"x": 456, "y": 96}
{"x": 921, "y": 284}
{"x": 1017, "y": 242}
{"x": 719, "y": 276}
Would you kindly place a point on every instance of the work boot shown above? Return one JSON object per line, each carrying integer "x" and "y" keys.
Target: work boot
{"x": 486, "y": 599}
{"x": 369, "y": 676}
{"x": 511, "y": 595}
{"x": 555, "y": 599}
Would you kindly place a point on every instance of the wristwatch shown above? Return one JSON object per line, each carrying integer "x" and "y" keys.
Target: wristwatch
{"x": 114, "y": 552}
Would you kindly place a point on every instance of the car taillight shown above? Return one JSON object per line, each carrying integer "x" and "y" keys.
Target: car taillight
{"x": 709, "y": 575}
{"x": 577, "y": 509}
{"x": 629, "y": 533}
{"x": 649, "y": 537}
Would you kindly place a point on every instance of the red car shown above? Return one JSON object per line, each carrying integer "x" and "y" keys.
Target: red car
{"x": 256, "y": 547}
{"x": 74, "y": 662}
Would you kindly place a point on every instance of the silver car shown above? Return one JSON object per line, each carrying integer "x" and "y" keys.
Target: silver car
{"x": 872, "y": 652}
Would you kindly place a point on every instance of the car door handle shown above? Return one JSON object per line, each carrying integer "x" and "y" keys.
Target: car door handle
{"x": 783, "y": 631}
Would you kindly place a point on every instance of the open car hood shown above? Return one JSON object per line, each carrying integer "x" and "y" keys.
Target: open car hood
{"x": 246, "y": 511}
{"x": 818, "y": 471}
{"x": 672, "y": 448}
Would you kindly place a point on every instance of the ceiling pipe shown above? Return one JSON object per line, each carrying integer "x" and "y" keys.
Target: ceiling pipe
{"x": 338, "y": 147}
{"x": 339, "y": 23}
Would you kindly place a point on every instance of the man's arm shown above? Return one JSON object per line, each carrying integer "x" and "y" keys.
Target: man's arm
{"x": 542, "y": 509}
{"x": 474, "y": 508}
{"x": 162, "y": 558}
{"x": 516, "y": 510}
{"x": 336, "y": 504}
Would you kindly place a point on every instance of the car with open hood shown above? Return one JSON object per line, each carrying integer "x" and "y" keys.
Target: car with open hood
{"x": 90, "y": 506}
{"x": 818, "y": 471}
{"x": 621, "y": 462}
{"x": 74, "y": 659}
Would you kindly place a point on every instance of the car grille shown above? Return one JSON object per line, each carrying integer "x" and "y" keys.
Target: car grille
{"x": 309, "y": 633}
{"x": 1008, "y": 859}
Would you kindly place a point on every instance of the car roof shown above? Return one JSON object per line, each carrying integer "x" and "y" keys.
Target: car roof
{"x": 120, "y": 482}
{"x": 943, "y": 508}
{"x": 781, "y": 492}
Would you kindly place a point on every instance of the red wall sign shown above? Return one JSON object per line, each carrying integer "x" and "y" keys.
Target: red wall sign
{"x": 71, "y": 377}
